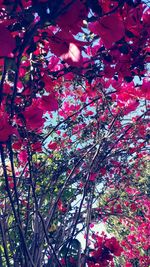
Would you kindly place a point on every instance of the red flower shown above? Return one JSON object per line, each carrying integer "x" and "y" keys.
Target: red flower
{"x": 113, "y": 245}
{"x": 110, "y": 28}
{"x": 128, "y": 264}
{"x": 49, "y": 103}
{"x": 37, "y": 146}
{"x": 133, "y": 207}
{"x": 5, "y": 128}
{"x": 72, "y": 18}
{"x": 73, "y": 56}
{"x": 133, "y": 20}
{"x": 61, "y": 206}
{"x": 103, "y": 171}
{"x": 34, "y": 117}
{"x": 7, "y": 42}
{"x": 64, "y": 45}
{"x": 97, "y": 253}
{"x": 52, "y": 145}
{"x": 92, "y": 177}
{"x": 17, "y": 145}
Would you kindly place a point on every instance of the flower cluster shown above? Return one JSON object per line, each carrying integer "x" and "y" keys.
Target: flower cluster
{"x": 105, "y": 249}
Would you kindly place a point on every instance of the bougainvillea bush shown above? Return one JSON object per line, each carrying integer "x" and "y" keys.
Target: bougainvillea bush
{"x": 74, "y": 133}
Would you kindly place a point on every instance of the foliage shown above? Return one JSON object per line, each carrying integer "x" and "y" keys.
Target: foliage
{"x": 128, "y": 220}
{"x": 74, "y": 132}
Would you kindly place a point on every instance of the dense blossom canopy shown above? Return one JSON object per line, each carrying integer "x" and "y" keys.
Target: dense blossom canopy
{"x": 74, "y": 133}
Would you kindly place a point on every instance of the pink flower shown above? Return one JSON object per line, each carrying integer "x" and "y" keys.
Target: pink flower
{"x": 23, "y": 155}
